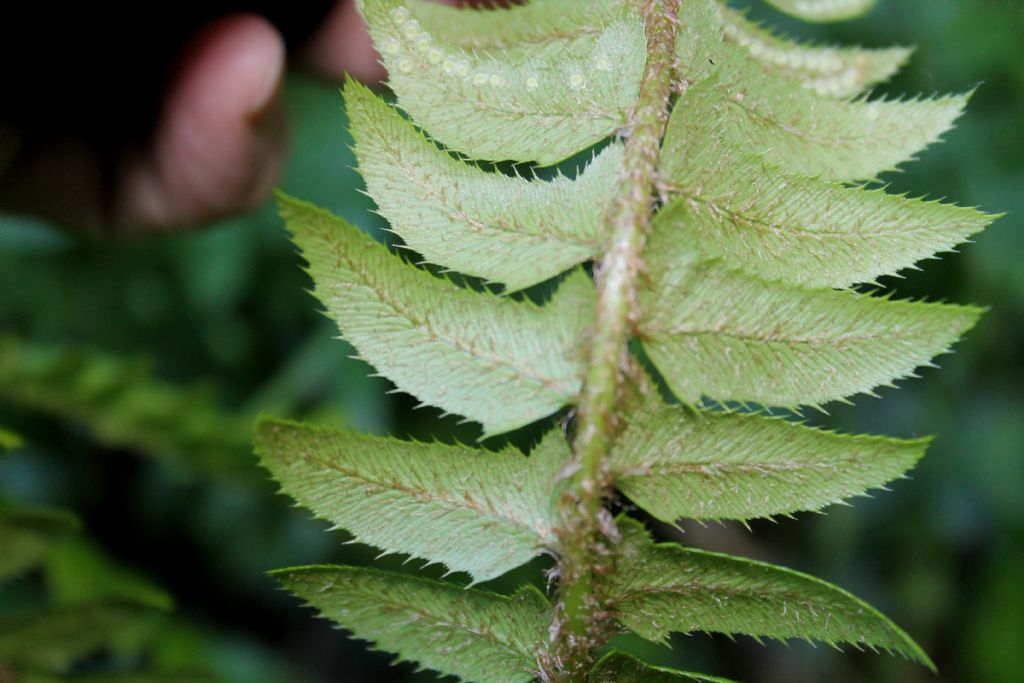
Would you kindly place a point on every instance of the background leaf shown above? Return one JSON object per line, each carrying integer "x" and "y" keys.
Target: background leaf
{"x": 26, "y": 536}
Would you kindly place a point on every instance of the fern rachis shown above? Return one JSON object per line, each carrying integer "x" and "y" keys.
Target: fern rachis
{"x": 723, "y": 238}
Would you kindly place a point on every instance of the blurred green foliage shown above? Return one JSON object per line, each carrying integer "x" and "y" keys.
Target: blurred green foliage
{"x": 226, "y": 310}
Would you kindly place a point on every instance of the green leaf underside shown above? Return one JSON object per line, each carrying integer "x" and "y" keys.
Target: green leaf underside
{"x": 498, "y": 361}
{"x": 827, "y": 70}
{"x": 517, "y": 106}
{"x": 122, "y": 403}
{"x": 504, "y": 229}
{"x": 732, "y": 337}
{"x": 663, "y": 588}
{"x": 809, "y": 134}
{"x": 56, "y": 638}
{"x": 476, "y": 635}
{"x": 677, "y": 463}
{"x": 474, "y": 511}
{"x": 530, "y": 29}
{"x": 744, "y": 209}
{"x": 823, "y": 10}
{"x": 618, "y": 667}
{"x": 26, "y": 535}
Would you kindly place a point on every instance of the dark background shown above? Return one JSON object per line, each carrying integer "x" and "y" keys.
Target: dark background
{"x": 942, "y": 554}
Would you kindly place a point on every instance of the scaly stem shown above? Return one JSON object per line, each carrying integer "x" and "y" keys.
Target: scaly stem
{"x": 586, "y": 544}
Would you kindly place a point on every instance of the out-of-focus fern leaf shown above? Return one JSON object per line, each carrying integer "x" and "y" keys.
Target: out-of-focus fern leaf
{"x": 504, "y": 229}
{"x": 131, "y": 677}
{"x": 823, "y": 10}
{"x": 810, "y": 134}
{"x": 732, "y": 337}
{"x": 54, "y": 639}
{"x": 9, "y": 441}
{"x": 543, "y": 107}
{"x": 675, "y": 462}
{"x": 476, "y": 635}
{"x": 522, "y": 30}
{"x": 475, "y": 511}
{"x": 744, "y": 209}
{"x": 123, "y": 404}
{"x": 618, "y": 667}
{"x": 663, "y": 588}
{"x": 500, "y": 362}
{"x": 828, "y": 70}
{"x": 78, "y": 572}
{"x": 26, "y": 536}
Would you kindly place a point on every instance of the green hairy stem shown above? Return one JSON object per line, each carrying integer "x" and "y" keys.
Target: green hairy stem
{"x": 587, "y": 539}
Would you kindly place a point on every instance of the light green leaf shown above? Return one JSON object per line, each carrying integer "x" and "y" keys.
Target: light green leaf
{"x": 742, "y": 208}
{"x": 501, "y": 228}
{"x": 675, "y": 462}
{"x": 475, "y": 511}
{"x": 542, "y": 107}
{"x": 473, "y": 634}
{"x": 56, "y": 638}
{"x": 530, "y": 29}
{"x": 823, "y": 10}
{"x": 810, "y": 134}
{"x": 123, "y": 404}
{"x": 618, "y": 667}
{"x": 659, "y": 589}
{"x": 827, "y": 70}
{"x": 501, "y": 362}
{"x": 26, "y": 536}
{"x": 732, "y": 337}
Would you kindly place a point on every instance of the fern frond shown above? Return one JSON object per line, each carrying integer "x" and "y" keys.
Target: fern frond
{"x": 26, "y": 536}
{"x": 504, "y": 229}
{"x": 500, "y": 362}
{"x": 123, "y": 404}
{"x": 56, "y": 638}
{"x": 676, "y": 463}
{"x": 823, "y": 10}
{"x": 618, "y": 667}
{"x": 523, "y": 107}
{"x": 474, "y": 511}
{"x": 731, "y": 337}
{"x": 121, "y": 677}
{"x": 9, "y": 441}
{"x": 473, "y": 634}
{"x": 827, "y": 70}
{"x": 744, "y": 209}
{"x": 659, "y": 589}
